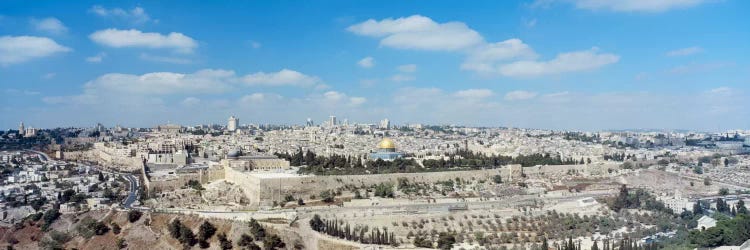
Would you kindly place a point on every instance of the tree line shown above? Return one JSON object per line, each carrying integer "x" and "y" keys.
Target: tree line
{"x": 340, "y": 230}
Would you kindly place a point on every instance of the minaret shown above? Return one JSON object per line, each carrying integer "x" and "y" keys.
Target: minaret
{"x": 21, "y": 129}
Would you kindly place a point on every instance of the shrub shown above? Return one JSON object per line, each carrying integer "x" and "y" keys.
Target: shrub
{"x": 134, "y": 215}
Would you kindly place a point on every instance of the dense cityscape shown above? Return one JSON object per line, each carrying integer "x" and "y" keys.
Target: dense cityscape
{"x": 375, "y": 125}
{"x": 346, "y": 186}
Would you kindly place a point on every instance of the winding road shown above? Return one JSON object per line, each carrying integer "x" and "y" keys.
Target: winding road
{"x": 133, "y": 193}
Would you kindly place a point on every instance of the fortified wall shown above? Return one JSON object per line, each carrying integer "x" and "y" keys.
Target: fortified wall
{"x": 264, "y": 188}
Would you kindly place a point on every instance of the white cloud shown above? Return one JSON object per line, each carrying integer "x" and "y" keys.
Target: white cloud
{"x": 97, "y": 58}
{"x": 627, "y": 5}
{"x": 367, "y": 62}
{"x": 161, "y": 83}
{"x": 356, "y": 101}
{"x": 49, "y": 25}
{"x": 407, "y": 68}
{"x": 685, "y": 51}
{"x": 565, "y": 62}
{"x": 255, "y": 45}
{"x": 334, "y": 96}
{"x": 136, "y": 15}
{"x": 150, "y": 86}
{"x": 284, "y": 77}
{"x": 419, "y": 32}
{"x": 474, "y": 93}
{"x": 165, "y": 59}
{"x": 519, "y": 95}
{"x": 422, "y": 33}
{"x": 482, "y": 59}
{"x": 19, "y": 49}
{"x": 135, "y": 38}
{"x": 402, "y": 78}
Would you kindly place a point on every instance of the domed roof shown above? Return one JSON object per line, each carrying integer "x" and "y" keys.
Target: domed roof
{"x": 386, "y": 144}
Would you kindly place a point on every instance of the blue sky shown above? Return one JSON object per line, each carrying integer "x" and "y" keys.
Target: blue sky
{"x": 559, "y": 64}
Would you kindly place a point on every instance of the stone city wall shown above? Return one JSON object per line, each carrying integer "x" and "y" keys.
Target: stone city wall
{"x": 263, "y": 191}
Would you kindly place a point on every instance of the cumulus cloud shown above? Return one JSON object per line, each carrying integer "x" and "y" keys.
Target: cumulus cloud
{"x": 408, "y": 68}
{"x": 564, "y": 62}
{"x": 19, "y": 49}
{"x": 49, "y": 25}
{"x": 474, "y": 93}
{"x": 511, "y": 57}
{"x": 356, "y": 101}
{"x": 367, "y": 62}
{"x": 627, "y": 5}
{"x": 97, "y": 58}
{"x": 205, "y": 81}
{"x": 137, "y": 39}
{"x": 519, "y": 95}
{"x": 419, "y": 32}
{"x": 160, "y": 96}
{"x": 284, "y": 77}
{"x": 482, "y": 59}
{"x": 685, "y": 51}
{"x": 136, "y": 15}
{"x": 160, "y": 83}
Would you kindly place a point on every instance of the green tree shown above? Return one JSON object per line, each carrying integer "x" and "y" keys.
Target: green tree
{"x": 421, "y": 241}
{"x": 446, "y": 241}
{"x": 187, "y": 238}
{"x": 272, "y": 242}
{"x": 245, "y": 240}
{"x": 316, "y": 223}
{"x": 116, "y": 228}
{"x": 174, "y": 228}
{"x": 741, "y": 209}
{"x": 257, "y": 230}
{"x": 327, "y": 196}
{"x": 497, "y": 179}
{"x": 723, "y": 191}
{"x": 206, "y": 231}
{"x": 134, "y": 215}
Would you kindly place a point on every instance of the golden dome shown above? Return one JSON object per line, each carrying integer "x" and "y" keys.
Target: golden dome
{"x": 386, "y": 144}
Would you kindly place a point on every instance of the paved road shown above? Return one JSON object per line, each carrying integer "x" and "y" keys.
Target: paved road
{"x": 133, "y": 193}
{"x": 45, "y": 156}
